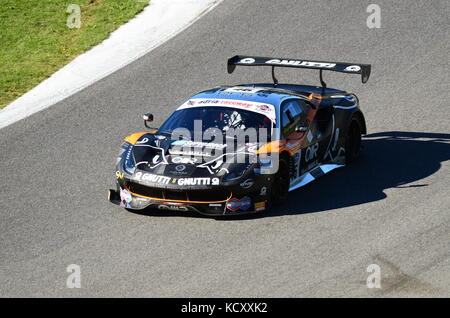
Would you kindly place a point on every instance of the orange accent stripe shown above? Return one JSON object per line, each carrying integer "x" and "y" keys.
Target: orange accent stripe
{"x": 273, "y": 146}
{"x": 134, "y": 137}
{"x": 276, "y": 146}
{"x": 316, "y": 96}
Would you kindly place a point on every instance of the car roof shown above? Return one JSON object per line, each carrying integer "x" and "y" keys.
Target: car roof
{"x": 266, "y": 93}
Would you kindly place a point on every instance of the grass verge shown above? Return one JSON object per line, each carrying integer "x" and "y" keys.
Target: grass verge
{"x": 35, "y": 40}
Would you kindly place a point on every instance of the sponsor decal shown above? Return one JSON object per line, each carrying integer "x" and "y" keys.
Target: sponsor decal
{"x": 264, "y": 108}
{"x": 143, "y": 141}
{"x": 235, "y": 204}
{"x": 263, "y": 191}
{"x": 260, "y": 206}
{"x": 196, "y": 181}
{"x": 158, "y": 158}
{"x": 125, "y": 196}
{"x": 206, "y": 101}
{"x": 247, "y": 183}
{"x": 148, "y": 177}
{"x": 180, "y": 168}
{"x": 297, "y": 163}
{"x": 214, "y": 166}
{"x": 173, "y": 207}
{"x": 300, "y": 63}
{"x": 185, "y": 152}
{"x": 229, "y": 102}
{"x": 243, "y": 90}
{"x": 185, "y": 160}
{"x": 215, "y": 205}
{"x": 353, "y": 68}
{"x": 119, "y": 175}
{"x": 246, "y": 202}
{"x": 179, "y": 142}
{"x": 311, "y": 152}
{"x": 198, "y": 144}
{"x": 180, "y": 172}
{"x": 247, "y": 60}
{"x": 261, "y": 108}
{"x": 207, "y": 145}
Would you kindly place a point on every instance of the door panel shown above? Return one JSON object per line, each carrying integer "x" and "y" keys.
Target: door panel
{"x": 295, "y": 113}
{"x": 323, "y": 124}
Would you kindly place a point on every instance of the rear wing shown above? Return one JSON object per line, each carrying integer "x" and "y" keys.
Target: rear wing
{"x": 351, "y": 68}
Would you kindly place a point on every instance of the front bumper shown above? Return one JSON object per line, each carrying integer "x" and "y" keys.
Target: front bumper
{"x": 242, "y": 202}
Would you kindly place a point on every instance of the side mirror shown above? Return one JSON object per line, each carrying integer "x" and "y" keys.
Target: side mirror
{"x": 301, "y": 128}
{"x": 148, "y": 118}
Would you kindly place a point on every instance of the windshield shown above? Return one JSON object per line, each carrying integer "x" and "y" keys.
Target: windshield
{"x": 222, "y": 118}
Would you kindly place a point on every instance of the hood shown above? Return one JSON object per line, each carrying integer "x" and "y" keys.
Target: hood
{"x": 158, "y": 155}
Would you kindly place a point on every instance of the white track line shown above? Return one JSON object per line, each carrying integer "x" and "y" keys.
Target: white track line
{"x": 156, "y": 24}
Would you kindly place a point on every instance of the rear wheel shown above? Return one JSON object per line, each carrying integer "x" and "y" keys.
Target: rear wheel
{"x": 280, "y": 187}
{"x": 353, "y": 142}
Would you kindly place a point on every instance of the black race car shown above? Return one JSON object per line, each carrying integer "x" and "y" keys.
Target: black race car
{"x": 239, "y": 149}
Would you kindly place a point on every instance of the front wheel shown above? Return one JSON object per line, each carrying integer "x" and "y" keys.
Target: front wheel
{"x": 280, "y": 187}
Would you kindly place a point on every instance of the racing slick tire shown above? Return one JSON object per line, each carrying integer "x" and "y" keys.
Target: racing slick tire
{"x": 280, "y": 187}
{"x": 353, "y": 142}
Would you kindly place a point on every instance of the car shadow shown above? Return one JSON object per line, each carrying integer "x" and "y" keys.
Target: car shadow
{"x": 163, "y": 213}
{"x": 393, "y": 159}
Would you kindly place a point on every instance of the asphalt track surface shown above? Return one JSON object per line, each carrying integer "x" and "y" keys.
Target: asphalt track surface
{"x": 391, "y": 208}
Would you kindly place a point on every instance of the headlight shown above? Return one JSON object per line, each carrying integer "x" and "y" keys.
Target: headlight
{"x": 129, "y": 164}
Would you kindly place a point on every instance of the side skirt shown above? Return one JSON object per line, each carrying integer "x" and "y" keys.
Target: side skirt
{"x": 313, "y": 175}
